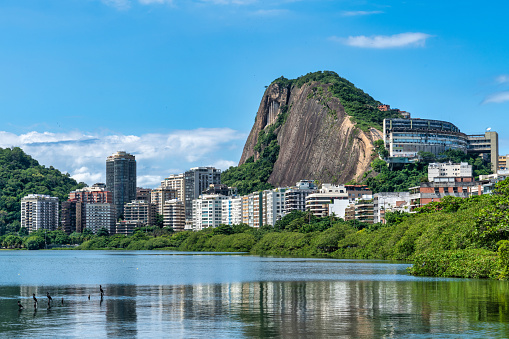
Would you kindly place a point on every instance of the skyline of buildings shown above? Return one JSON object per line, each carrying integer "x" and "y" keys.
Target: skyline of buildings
{"x": 196, "y": 199}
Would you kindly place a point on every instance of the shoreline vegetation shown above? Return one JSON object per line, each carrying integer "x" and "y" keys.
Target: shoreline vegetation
{"x": 467, "y": 238}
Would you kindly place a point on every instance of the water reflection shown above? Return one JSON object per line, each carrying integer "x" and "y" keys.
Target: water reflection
{"x": 351, "y": 309}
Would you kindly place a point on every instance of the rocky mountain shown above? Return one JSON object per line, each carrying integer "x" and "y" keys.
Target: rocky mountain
{"x": 318, "y": 126}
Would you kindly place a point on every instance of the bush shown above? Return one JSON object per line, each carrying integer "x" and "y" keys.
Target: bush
{"x": 474, "y": 263}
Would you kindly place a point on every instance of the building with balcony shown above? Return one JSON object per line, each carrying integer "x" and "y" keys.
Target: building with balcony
{"x": 143, "y": 194}
{"x": 232, "y": 211}
{"x": 295, "y": 197}
{"x": 196, "y": 180}
{"x": 159, "y": 195}
{"x": 440, "y": 170}
{"x": 89, "y": 195}
{"x": 39, "y": 212}
{"x": 126, "y": 227}
{"x": 389, "y": 202}
{"x": 141, "y": 211}
{"x": 207, "y": 211}
{"x": 175, "y": 181}
{"x": 100, "y": 215}
{"x": 174, "y": 215}
{"x": 318, "y": 203}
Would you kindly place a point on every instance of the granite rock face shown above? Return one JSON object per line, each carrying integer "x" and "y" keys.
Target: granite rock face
{"x": 318, "y": 140}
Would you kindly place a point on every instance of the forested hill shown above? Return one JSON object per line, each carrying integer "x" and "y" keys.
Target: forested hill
{"x": 21, "y": 175}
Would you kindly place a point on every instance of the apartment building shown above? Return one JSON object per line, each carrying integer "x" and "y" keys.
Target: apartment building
{"x": 440, "y": 170}
{"x": 389, "y": 202}
{"x": 159, "y": 195}
{"x": 174, "y": 215}
{"x": 100, "y": 215}
{"x": 295, "y": 197}
{"x": 91, "y": 195}
{"x": 143, "y": 194}
{"x": 176, "y": 182}
{"x": 207, "y": 211}
{"x": 197, "y": 180}
{"x": 141, "y": 211}
{"x": 318, "y": 203}
{"x": 39, "y": 212}
{"x": 232, "y": 211}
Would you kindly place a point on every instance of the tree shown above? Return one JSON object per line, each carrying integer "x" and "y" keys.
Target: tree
{"x": 159, "y": 220}
{"x": 102, "y": 232}
{"x": 34, "y": 242}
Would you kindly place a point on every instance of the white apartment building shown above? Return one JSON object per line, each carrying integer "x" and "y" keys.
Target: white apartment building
{"x": 273, "y": 205}
{"x": 389, "y": 202}
{"x": 448, "y": 170}
{"x": 295, "y": 197}
{"x": 174, "y": 214}
{"x": 232, "y": 211}
{"x": 100, "y": 215}
{"x": 176, "y": 182}
{"x": 207, "y": 211}
{"x": 318, "y": 203}
{"x": 39, "y": 212}
{"x": 159, "y": 195}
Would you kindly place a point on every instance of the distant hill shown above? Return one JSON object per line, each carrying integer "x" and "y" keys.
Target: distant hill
{"x": 318, "y": 126}
{"x": 21, "y": 175}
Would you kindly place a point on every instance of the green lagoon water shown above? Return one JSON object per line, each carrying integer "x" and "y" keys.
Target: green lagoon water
{"x": 196, "y": 295}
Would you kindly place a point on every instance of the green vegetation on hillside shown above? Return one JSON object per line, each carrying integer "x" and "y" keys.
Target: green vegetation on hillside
{"x": 358, "y": 104}
{"x": 253, "y": 175}
{"x": 21, "y": 175}
{"x": 413, "y": 174}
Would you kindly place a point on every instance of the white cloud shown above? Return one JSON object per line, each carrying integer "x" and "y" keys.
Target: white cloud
{"x": 497, "y": 98}
{"x": 83, "y": 155}
{"x": 360, "y": 13}
{"x": 502, "y": 79}
{"x": 385, "y": 41}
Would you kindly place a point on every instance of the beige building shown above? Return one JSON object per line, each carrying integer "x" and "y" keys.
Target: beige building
{"x": 174, "y": 215}
{"x": 140, "y": 211}
{"x": 176, "y": 182}
{"x": 159, "y": 195}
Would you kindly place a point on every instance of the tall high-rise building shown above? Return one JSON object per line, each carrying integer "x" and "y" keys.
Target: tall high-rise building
{"x": 196, "y": 180}
{"x": 38, "y": 212}
{"x": 121, "y": 179}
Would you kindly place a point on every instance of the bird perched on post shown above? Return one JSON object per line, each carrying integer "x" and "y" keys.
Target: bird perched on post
{"x": 35, "y": 299}
{"x": 49, "y": 296}
{"x": 101, "y": 289}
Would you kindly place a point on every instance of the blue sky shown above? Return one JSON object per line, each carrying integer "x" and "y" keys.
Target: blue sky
{"x": 178, "y": 83}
